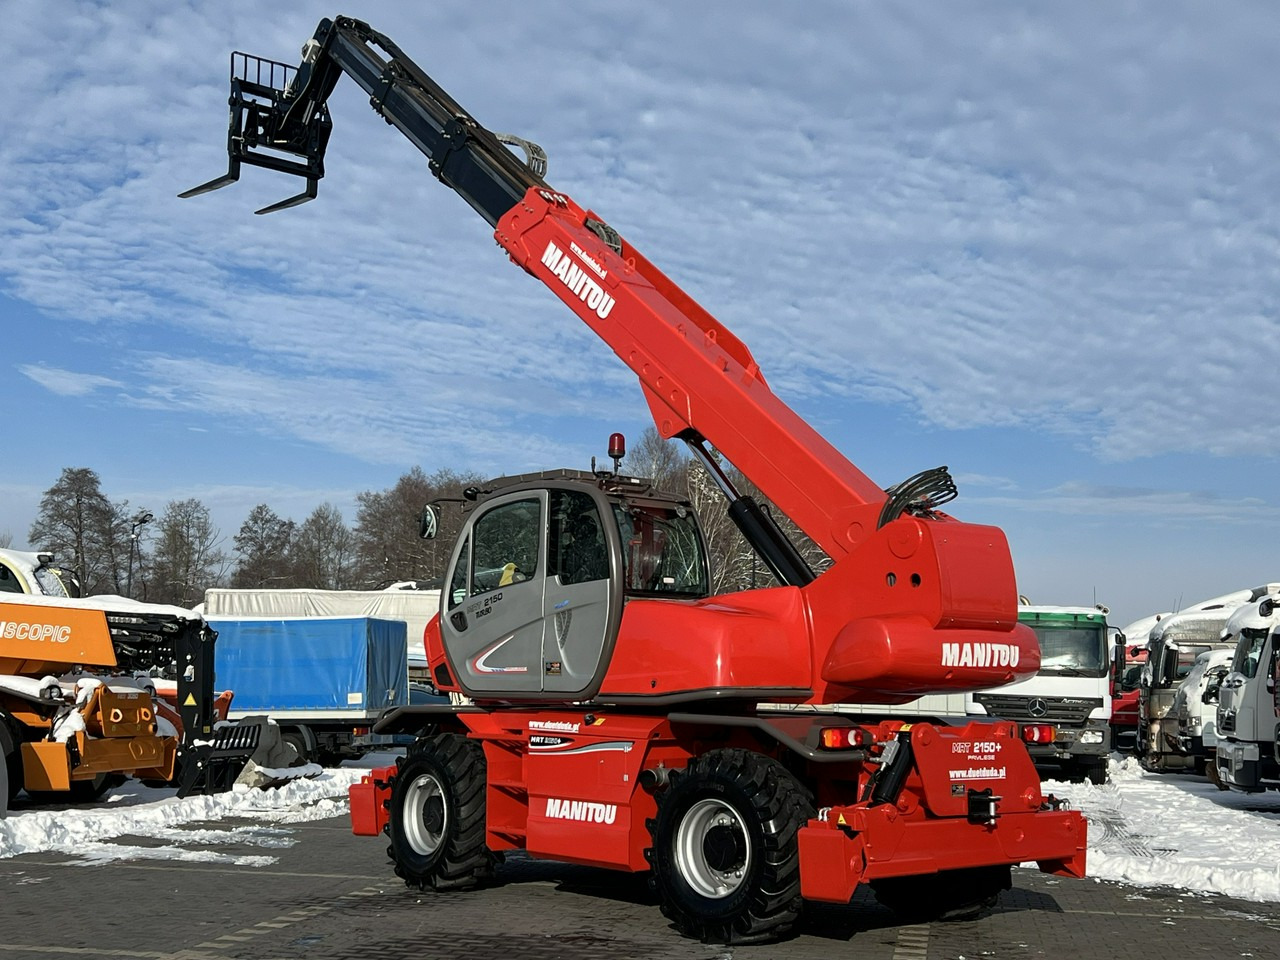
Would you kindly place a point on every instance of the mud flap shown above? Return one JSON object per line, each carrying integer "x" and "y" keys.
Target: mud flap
{"x": 212, "y": 766}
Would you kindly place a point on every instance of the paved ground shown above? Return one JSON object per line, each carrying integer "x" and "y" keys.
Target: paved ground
{"x": 331, "y": 896}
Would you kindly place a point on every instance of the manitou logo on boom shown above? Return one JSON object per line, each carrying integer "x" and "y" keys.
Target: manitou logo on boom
{"x": 577, "y": 280}
{"x": 581, "y": 810}
{"x": 979, "y": 655}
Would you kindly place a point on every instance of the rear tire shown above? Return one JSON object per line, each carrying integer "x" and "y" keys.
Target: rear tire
{"x": 299, "y": 744}
{"x": 725, "y": 856}
{"x": 437, "y": 815}
{"x": 949, "y": 895}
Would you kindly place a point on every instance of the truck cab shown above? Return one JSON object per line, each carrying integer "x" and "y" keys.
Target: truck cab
{"x": 1174, "y": 643}
{"x": 1129, "y": 662}
{"x": 1072, "y": 690}
{"x": 1194, "y": 710}
{"x": 1246, "y": 714}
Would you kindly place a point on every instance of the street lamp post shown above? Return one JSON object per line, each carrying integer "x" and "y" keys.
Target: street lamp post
{"x": 141, "y": 518}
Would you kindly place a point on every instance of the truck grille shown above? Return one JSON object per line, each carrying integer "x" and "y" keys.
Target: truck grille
{"x": 1072, "y": 710}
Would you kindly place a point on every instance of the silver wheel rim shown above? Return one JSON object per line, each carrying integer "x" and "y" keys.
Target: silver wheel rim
{"x": 715, "y": 823}
{"x": 424, "y": 830}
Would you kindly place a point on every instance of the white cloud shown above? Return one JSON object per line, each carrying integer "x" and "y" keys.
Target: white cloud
{"x": 66, "y": 383}
{"x": 998, "y": 219}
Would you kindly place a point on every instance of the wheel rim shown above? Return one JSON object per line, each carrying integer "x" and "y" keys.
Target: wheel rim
{"x": 713, "y": 849}
{"x": 426, "y": 815}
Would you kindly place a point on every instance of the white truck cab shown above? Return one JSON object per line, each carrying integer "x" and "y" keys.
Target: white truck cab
{"x": 1246, "y": 714}
{"x": 1194, "y": 709}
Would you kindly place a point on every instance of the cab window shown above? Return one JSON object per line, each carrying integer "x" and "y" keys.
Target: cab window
{"x": 505, "y": 545}
{"x": 1249, "y": 650}
{"x": 9, "y": 582}
{"x": 576, "y": 547}
{"x": 458, "y": 584}
{"x": 662, "y": 550}
{"x": 51, "y": 584}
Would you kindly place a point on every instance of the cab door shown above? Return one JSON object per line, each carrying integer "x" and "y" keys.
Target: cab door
{"x": 581, "y": 587}
{"x": 492, "y": 626}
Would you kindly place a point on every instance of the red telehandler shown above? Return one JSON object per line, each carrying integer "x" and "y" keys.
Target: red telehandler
{"x": 609, "y": 709}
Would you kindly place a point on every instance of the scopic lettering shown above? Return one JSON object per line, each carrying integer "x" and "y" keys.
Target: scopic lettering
{"x": 39, "y": 632}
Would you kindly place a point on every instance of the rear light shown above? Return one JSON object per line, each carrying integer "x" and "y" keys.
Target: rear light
{"x": 1037, "y": 733}
{"x": 360, "y": 731}
{"x": 845, "y": 738}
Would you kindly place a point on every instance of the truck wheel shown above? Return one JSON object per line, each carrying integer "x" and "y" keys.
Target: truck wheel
{"x": 1214, "y": 775}
{"x": 299, "y": 744}
{"x": 948, "y": 895}
{"x": 437, "y": 814}
{"x": 10, "y": 746}
{"x": 87, "y": 791}
{"x": 725, "y": 858}
{"x": 13, "y": 767}
{"x": 1094, "y": 771}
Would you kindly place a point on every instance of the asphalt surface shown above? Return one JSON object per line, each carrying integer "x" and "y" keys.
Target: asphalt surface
{"x": 332, "y": 895}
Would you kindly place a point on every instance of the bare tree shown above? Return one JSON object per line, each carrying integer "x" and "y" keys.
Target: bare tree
{"x": 735, "y": 564}
{"x": 188, "y": 555}
{"x": 662, "y": 461}
{"x": 386, "y": 532}
{"x": 322, "y": 554}
{"x": 263, "y": 547}
{"x": 77, "y": 523}
{"x": 6, "y": 540}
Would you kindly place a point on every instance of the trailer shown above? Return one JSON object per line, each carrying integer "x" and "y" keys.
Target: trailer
{"x": 415, "y": 607}
{"x": 323, "y": 680}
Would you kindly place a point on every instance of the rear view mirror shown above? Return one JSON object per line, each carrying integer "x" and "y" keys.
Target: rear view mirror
{"x": 429, "y": 524}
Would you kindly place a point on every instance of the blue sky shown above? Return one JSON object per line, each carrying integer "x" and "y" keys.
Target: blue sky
{"x": 1038, "y": 243}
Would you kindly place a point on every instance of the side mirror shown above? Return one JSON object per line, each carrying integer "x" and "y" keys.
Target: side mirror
{"x": 429, "y": 523}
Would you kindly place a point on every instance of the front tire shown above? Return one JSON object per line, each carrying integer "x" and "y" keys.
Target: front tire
{"x": 437, "y": 822}
{"x": 725, "y": 856}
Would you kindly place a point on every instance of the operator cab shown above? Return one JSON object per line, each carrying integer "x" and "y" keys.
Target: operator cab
{"x": 541, "y": 571}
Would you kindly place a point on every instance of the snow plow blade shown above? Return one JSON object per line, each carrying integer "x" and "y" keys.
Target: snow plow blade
{"x": 212, "y": 766}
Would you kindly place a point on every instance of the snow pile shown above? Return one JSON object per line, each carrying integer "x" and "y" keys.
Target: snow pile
{"x": 1179, "y": 830}
{"x": 133, "y": 810}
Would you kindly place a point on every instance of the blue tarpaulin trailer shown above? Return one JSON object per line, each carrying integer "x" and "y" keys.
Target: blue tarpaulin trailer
{"x": 324, "y": 680}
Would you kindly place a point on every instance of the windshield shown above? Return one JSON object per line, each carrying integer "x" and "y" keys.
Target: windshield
{"x": 51, "y": 584}
{"x": 1179, "y": 661}
{"x": 1073, "y": 650}
{"x": 662, "y": 552}
{"x": 1249, "y": 650}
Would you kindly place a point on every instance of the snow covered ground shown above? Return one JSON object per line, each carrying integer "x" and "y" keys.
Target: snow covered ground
{"x": 1145, "y": 829}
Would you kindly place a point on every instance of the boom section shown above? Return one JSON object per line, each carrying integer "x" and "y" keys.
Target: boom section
{"x": 701, "y": 382}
